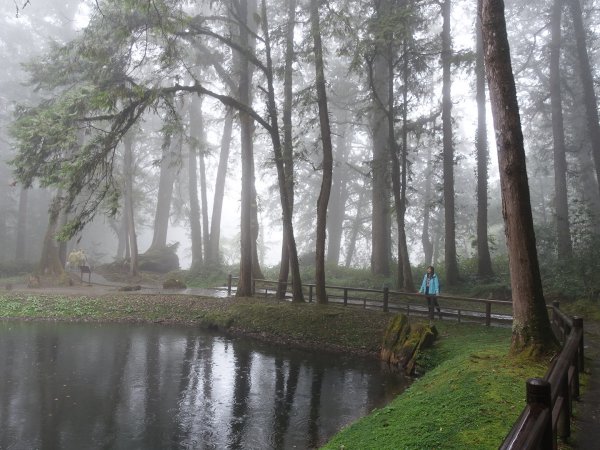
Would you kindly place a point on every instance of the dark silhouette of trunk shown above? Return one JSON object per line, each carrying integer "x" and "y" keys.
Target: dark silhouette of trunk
{"x": 327, "y": 164}
{"x": 484, "y": 260}
{"x": 165, "y": 192}
{"x": 195, "y": 227}
{"x": 212, "y": 251}
{"x": 587, "y": 81}
{"x": 590, "y": 194}
{"x": 119, "y": 226}
{"x": 21, "y": 225}
{"x": 425, "y": 236}
{"x": 356, "y": 226}
{"x": 297, "y": 294}
{"x": 62, "y": 245}
{"x": 256, "y": 270}
{"x": 561, "y": 207}
{"x": 399, "y": 170}
{"x": 339, "y": 195}
{"x": 248, "y": 196}
{"x": 531, "y": 325}
{"x": 50, "y": 263}
{"x": 128, "y": 170}
{"x": 203, "y": 194}
{"x": 452, "y": 275}
{"x": 288, "y": 148}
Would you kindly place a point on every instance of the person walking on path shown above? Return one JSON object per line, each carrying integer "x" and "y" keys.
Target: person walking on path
{"x": 430, "y": 286}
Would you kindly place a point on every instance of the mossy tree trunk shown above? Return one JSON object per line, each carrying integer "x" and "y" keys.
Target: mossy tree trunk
{"x": 531, "y": 326}
{"x": 50, "y": 263}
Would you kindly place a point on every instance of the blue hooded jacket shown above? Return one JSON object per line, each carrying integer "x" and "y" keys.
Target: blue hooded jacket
{"x": 434, "y": 285}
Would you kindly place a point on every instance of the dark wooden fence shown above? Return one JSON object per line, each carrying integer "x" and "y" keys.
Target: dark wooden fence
{"x": 488, "y": 311}
{"x": 548, "y": 412}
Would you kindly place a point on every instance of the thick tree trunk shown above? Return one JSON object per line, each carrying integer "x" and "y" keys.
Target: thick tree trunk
{"x": 195, "y": 227}
{"x": 297, "y": 295}
{"x": 165, "y": 193}
{"x": 50, "y": 263}
{"x": 356, "y": 226}
{"x": 212, "y": 251}
{"x": 327, "y": 164}
{"x": 531, "y": 325}
{"x": 256, "y": 270}
{"x": 203, "y": 191}
{"x": 62, "y": 245}
{"x": 381, "y": 221}
{"x": 425, "y": 235}
{"x": 288, "y": 147}
{"x": 590, "y": 194}
{"x": 587, "y": 80}
{"x": 248, "y": 243}
{"x": 404, "y": 267}
{"x": 128, "y": 169}
{"x": 21, "y": 225}
{"x": 484, "y": 260}
{"x": 339, "y": 195}
{"x": 450, "y": 257}
{"x": 561, "y": 206}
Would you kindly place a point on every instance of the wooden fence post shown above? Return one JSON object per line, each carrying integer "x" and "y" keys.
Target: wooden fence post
{"x": 345, "y": 296}
{"x": 229, "y": 285}
{"x": 539, "y": 399}
{"x": 310, "y": 293}
{"x": 386, "y": 294}
{"x": 488, "y": 314}
{"x": 563, "y": 425}
{"x": 578, "y": 325}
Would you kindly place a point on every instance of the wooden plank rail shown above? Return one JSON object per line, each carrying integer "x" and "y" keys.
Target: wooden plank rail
{"x": 549, "y": 408}
{"x": 463, "y": 309}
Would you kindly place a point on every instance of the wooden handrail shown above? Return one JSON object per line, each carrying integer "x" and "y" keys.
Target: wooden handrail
{"x": 561, "y": 386}
{"x": 388, "y": 299}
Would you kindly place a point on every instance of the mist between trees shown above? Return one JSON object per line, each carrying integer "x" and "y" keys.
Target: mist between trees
{"x": 352, "y": 133}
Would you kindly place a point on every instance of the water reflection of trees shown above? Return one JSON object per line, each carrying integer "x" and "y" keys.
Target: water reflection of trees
{"x": 155, "y": 386}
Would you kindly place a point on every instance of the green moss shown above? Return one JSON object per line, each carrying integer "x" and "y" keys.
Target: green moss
{"x": 468, "y": 400}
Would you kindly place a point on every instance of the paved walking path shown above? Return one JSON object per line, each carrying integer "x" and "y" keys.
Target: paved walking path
{"x": 98, "y": 285}
{"x": 587, "y": 410}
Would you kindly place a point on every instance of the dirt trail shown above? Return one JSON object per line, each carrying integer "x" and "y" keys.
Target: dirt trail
{"x": 587, "y": 409}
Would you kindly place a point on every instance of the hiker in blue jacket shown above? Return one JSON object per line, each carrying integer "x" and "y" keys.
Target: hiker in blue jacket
{"x": 431, "y": 288}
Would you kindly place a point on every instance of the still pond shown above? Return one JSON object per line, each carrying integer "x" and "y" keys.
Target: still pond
{"x": 120, "y": 386}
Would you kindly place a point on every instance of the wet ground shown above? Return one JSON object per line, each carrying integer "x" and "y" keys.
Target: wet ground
{"x": 97, "y": 285}
{"x": 587, "y": 409}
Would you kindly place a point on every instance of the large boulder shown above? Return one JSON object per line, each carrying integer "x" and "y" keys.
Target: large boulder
{"x": 161, "y": 260}
{"x": 403, "y": 341}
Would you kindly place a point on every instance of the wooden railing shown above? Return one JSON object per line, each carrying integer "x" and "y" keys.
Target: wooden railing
{"x": 462, "y": 309}
{"x": 548, "y": 412}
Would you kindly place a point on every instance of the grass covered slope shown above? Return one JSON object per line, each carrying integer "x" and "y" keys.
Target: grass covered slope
{"x": 468, "y": 399}
{"x": 308, "y": 324}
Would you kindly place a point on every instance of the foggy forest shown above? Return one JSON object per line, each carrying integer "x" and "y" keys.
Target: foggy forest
{"x": 231, "y": 136}
{"x": 193, "y": 187}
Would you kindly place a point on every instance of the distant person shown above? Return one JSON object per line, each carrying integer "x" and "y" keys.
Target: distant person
{"x": 431, "y": 288}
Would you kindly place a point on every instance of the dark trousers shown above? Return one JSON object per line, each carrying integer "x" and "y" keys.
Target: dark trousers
{"x": 431, "y": 303}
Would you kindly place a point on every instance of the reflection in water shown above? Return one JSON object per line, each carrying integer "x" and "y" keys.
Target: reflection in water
{"x": 75, "y": 386}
